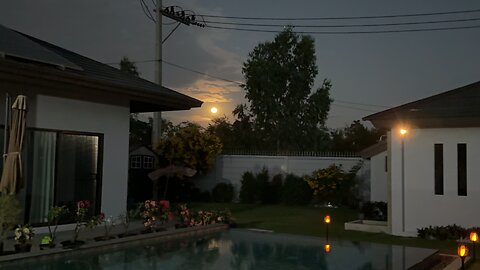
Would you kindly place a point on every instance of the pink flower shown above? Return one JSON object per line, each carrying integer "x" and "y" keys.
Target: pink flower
{"x": 165, "y": 204}
{"x": 170, "y": 216}
{"x": 101, "y": 217}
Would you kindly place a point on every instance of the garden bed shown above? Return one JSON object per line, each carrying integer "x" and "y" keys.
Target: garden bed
{"x": 372, "y": 226}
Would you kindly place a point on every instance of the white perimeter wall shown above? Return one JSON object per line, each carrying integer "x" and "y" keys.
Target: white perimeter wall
{"x": 110, "y": 120}
{"x": 230, "y": 168}
{"x": 378, "y": 178}
{"x": 422, "y": 206}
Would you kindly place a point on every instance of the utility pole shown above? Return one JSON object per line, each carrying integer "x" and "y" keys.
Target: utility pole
{"x": 157, "y": 116}
{"x": 182, "y": 18}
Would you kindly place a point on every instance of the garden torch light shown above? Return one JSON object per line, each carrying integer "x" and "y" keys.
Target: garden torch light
{"x": 474, "y": 239}
{"x": 328, "y": 248}
{"x": 327, "y": 221}
{"x": 462, "y": 251}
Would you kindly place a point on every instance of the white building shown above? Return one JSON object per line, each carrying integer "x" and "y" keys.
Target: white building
{"x": 77, "y": 139}
{"x": 378, "y": 170}
{"x": 433, "y": 160}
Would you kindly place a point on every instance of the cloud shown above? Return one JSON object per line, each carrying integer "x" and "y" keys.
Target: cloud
{"x": 212, "y": 91}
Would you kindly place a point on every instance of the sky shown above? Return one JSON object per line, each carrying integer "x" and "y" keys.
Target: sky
{"x": 381, "y": 70}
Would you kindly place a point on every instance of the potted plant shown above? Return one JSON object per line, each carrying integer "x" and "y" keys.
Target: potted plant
{"x": 80, "y": 218}
{"x": 23, "y": 237}
{"x": 108, "y": 224}
{"x": 125, "y": 220}
{"x": 9, "y": 212}
{"x": 55, "y": 213}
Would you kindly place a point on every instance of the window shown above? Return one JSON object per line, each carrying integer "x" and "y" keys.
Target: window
{"x": 438, "y": 169}
{"x": 462, "y": 169}
{"x": 62, "y": 168}
{"x": 386, "y": 163}
{"x": 136, "y": 162}
{"x": 147, "y": 162}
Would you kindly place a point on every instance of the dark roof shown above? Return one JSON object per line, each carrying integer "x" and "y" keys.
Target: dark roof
{"x": 145, "y": 96}
{"x": 375, "y": 149}
{"x": 459, "y": 107}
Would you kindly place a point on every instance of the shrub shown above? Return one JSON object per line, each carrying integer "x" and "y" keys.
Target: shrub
{"x": 263, "y": 186}
{"x": 248, "y": 190}
{"x": 296, "y": 191}
{"x": 375, "y": 211}
{"x": 450, "y": 232}
{"x": 276, "y": 189}
{"x": 222, "y": 192}
{"x": 334, "y": 185}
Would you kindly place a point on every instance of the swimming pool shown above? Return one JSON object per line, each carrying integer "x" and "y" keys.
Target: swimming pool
{"x": 243, "y": 249}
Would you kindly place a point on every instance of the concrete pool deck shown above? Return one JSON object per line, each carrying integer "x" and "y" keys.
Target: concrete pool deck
{"x": 88, "y": 236}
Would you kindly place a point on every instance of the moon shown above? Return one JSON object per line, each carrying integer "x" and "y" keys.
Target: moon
{"x": 213, "y": 110}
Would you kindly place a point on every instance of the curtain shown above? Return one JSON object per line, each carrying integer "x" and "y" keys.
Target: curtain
{"x": 43, "y": 175}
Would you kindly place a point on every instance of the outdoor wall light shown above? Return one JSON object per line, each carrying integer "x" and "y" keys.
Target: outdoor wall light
{"x": 403, "y": 131}
{"x": 327, "y": 248}
{"x": 474, "y": 239}
{"x": 462, "y": 251}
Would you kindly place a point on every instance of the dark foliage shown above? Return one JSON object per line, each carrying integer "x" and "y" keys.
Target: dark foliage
{"x": 296, "y": 191}
{"x": 222, "y": 192}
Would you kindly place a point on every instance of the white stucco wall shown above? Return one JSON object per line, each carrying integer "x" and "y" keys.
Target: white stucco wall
{"x": 422, "y": 206}
{"x": 110, "y": 120}
{"x": 378, "y": 178}
{"x": 230, "y": 168}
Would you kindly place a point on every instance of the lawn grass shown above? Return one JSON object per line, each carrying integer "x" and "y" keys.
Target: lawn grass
{"x": 309, "y": 221}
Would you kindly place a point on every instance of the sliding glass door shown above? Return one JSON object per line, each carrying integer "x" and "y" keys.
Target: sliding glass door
{"x": 63, "y": 168}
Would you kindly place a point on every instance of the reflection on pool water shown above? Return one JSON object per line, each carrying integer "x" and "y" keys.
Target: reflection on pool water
{"x": 242, "y": 249}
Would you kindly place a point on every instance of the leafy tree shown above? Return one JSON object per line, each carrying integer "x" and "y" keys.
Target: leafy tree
{"x": 354, "y": 138}
{"x": 279, "y": 78}
{"x": 223, "y": 129}
{"x": 189, "y": 145}
{"x": 128, "y": 66}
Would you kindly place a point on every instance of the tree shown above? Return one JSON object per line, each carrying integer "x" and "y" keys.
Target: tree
{"x": 128, "y": 66}
{"x": 190, "y": 146}
{"x": 354, "y": 138}
{"x": 279, "y": 77}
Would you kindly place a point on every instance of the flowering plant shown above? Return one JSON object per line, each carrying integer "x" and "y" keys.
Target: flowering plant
{"x": 201, "y": 217}
{"x": 80, "y": 215}
{"x": 55, "y": 213}
{"x": 108, "y": 223}
{"x": 24, "y": 233}
{"x": 154, "y": 212}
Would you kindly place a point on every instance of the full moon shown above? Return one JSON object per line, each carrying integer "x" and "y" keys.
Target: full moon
{"x": 213, "y": 110}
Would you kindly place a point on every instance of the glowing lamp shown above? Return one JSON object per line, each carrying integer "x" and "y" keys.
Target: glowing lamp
{"x": 473, "y": 237}
{"x": 462, "y": 251}
{"x": 328, "y": 248}
{"x": 327, "y": 219}
{"x": 403, "y": 131}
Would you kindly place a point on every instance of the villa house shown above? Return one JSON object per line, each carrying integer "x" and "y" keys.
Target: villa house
{"x": 77, "y": 139}
{"x": 432, "y": 157}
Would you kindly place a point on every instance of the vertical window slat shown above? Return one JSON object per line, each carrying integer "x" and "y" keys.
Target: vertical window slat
{"x": 462, "y": 169}
{"x": 438, "y": 169}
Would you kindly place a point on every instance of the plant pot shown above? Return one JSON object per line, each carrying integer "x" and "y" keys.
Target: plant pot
{"x": 122, "y": 235}
{"x": 21, "y": 248}
{"x": 72, "y": 245}
{"x": 47, "y": 246}
{"x": 103, "y": 238}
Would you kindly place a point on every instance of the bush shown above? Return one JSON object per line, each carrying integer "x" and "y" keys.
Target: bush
{"x": 450, "y": 232}
{"x": 222, "y": 192}
{"x": 334, "y": 185}
{"x": 248, "y": 190}
{"x": 275, "y": 187}
{"x": 375, "y": 211}
{"x": 296, "y": 191}
{"x": 263, "y": 186}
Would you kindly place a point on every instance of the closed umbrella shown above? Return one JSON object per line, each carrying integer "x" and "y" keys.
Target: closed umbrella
{"x": 12, "y": 167}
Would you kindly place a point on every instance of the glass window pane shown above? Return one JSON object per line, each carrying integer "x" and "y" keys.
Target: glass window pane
{"x": 77, "y": 170}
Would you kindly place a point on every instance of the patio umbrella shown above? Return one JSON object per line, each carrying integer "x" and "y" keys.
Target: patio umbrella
{"x": 170, "y": 171}
{"x": 12, "y": 166}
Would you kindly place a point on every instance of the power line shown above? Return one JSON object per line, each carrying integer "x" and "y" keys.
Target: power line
{"x": 344, "y": 18}
{"x": 146, "y": 10}
{"x": 350, "y": 32}
{"x": 346, "y": 25}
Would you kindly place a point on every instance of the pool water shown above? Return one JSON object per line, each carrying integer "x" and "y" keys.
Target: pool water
{"x": 243, "y": 250}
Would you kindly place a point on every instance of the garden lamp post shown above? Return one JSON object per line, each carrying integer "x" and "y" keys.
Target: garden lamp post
{"x": 474, "y": 239}
{"x": 328, "y": 248}
{"x": 462, "y": 251}
{"x": 327, "y": 221}
{"x": 403, "y": 133}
